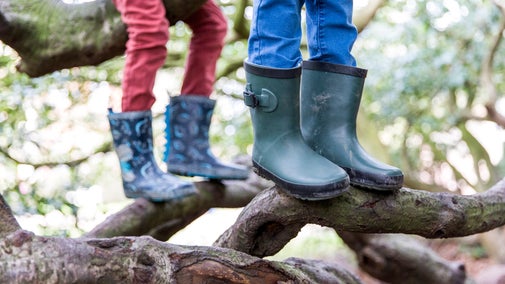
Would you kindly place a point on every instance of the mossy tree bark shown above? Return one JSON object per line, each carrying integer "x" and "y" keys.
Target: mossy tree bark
{"x": 266, "y": 224}
{"x": 32, "y": 259}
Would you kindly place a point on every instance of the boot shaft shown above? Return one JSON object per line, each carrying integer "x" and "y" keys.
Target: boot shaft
{"x": 132, "y": 137}
{"x": 273, "y": 98}
{"x": 188, "y": 118}
{"x": 330, "y": 98}
{"x": 187, "y": 151}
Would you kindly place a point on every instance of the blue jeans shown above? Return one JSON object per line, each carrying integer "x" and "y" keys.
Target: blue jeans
{"x": 276, "y": 32}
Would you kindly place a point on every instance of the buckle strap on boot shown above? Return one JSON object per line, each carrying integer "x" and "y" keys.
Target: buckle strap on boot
{"x": 267, "y": 101}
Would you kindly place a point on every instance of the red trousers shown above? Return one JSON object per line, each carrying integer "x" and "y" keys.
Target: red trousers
{"x": 146, "y": 51}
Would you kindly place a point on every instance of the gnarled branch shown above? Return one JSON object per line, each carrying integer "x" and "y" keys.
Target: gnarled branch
{"x": 273, "y": 215}
{"x": 31, "y": 259}
{"x": 130, "y": 221}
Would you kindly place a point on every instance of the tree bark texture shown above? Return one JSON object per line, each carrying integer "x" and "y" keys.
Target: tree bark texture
{"x": 27, "y": 258}
{"x": 384, "y": 257}
{"x": 50, "y": 35}
{"x": 8, "y": 223}
{"x": 273, "y": 215}
{"x": 402, "y": 259}
{"x": 162, "y": 220}
{"x": 389, "y": 258}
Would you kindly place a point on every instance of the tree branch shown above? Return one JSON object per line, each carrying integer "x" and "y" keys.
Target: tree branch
{"x": 486, "y": 77}
{"x": 104, "y": 148}
{"x": 272, "y": 215}
{"x": 162, "y": 220}
{"x": 365, "y": 15}
{"x": 402, "y": 259}
{"x": 142, "y": 216}
{"x": 31, "y": 259}
{"x": 8, "y": 223}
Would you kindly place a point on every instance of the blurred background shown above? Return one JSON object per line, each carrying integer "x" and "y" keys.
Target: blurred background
{"x": 432, "y": 106}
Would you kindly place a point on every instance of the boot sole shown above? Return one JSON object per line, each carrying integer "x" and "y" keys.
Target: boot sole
{"x": 368, "y": 181}
{"x": 135, "y": 195}
{"x": 215, "y": 177}
{"x": 304, "y": 192}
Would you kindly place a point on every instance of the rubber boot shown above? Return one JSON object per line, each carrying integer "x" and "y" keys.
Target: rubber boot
{"x": 133, "y": 142}
{"x": 279, "y": 151}
{"x": 330, "y": 99}
{"x": 187, "y": 150}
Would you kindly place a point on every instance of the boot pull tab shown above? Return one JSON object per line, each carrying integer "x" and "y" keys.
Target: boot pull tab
{"x": 267, "y": 101}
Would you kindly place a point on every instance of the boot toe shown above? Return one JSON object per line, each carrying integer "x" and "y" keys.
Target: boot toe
{"x": 308, "y": 187}
{"x": 380, "y": 181}
{"x": 219, "y": 171}
{"x": 161, "y": 189}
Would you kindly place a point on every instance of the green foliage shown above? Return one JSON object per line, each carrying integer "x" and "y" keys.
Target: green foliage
{"x": 475, "y": 250}
{"x": 315, "y": 241}
{"x": 55, "y": 142}
{"x": 425, "y": 62}
{"x": 45, "y": 131}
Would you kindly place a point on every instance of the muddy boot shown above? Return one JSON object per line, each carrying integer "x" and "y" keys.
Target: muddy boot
{"x": 330, "y": 99}
{"x": 279, "y": 151}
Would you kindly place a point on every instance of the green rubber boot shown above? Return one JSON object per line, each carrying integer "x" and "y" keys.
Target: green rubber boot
{"x": 279, "y": 152}
{"x": 330, "y": 99}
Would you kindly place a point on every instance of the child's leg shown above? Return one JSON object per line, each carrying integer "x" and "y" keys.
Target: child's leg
{"x": 330, "y": 31}
{"x": 145, "y": 50}
{"x": 209, "y": 30}
{"x": 275, "y": 33}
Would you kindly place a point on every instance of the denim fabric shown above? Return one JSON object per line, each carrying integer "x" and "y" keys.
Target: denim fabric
{"x": 276, "y": 32}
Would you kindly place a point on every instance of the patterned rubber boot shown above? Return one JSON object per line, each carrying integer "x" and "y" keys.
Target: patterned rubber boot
{"x": 142, "y": 178}
{"x": 187, "y": 150}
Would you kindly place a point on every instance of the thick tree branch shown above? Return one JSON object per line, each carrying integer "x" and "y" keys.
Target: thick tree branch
{"x": 272, "y": 215}
{"x": 71, "y": 35}
{"x": 31, "y": 259}
{"x": 162, "y": 220}
{"x": 136, "y": 219}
